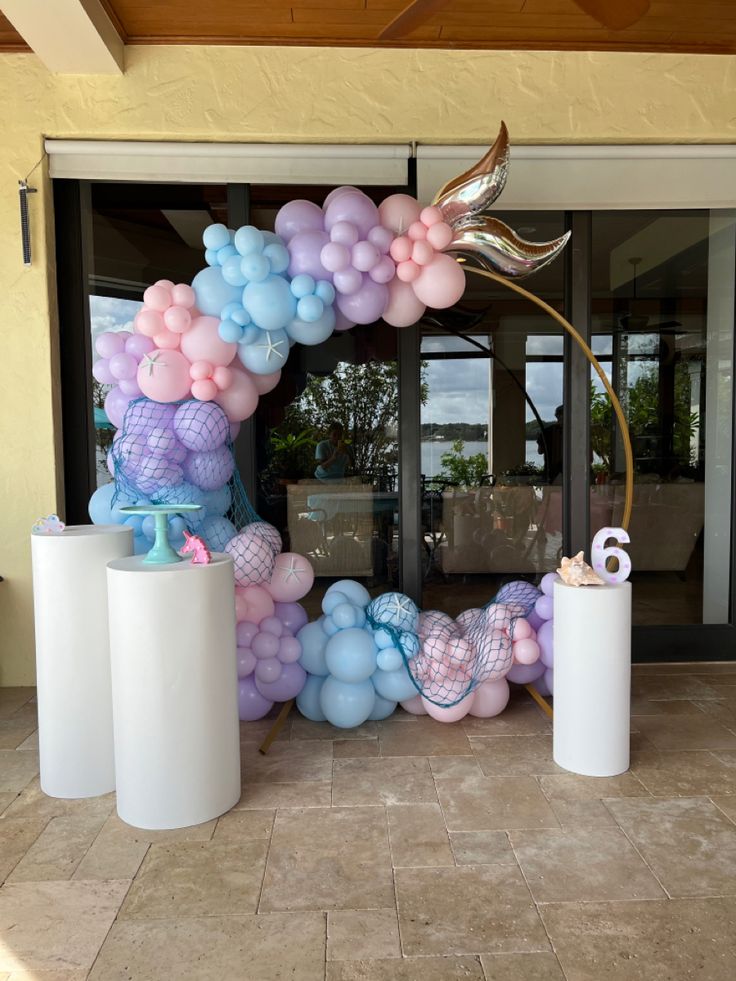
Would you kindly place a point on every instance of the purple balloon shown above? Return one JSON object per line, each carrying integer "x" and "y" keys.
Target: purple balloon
{"x": 252, "y": 704}
{"x": 246, "y": 661}
{"x": 201, "y": 426}
{"x": 545, "y": 607}
{"x": 245, "y": 632}
{"x": 111, "y": 342}
{"x": 130, "y": 387}
{"x": 292, "y": 615}
{"x": 101, "y": 371}
{"x": 291, "y": 681}
{"x": 234, "y": 430}
{"x": 304, "y": 253}
{"x": 523, "y": 674}
{"x": 341, "y": 321}
{"x": 348, "y": 281}
{"x": 116, "y": 402}
{"x": 355, "y": 207}
{"x": 367, "y": 305}
{"x": 381, "y": 237}
{"x": 549, "y": 681}
{"x": 545, "y": 639}
{"x": 268, "y": 670}
{"x": 138, "y": 345}
{"x": 290, "y": 650}
{"x": 534, "y": 620}
{"x": 123, "y": 366}
{"x": 272, "y": 625}
{"x": 548, "y": 583}
{"x": 150, "y": 415}
{"x": 336, "y": 192}
{"x": 210, "y": 471}
{"x": 298, "y": 216}
{"x": 265, "y": 645}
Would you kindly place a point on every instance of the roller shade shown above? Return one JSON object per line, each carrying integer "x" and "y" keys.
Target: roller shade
{"x": 596, "y": 177}
{"x": 248, "y": 163}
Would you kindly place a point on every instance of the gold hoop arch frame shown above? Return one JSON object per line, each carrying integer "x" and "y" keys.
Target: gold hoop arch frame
{"x": 567, "y": 326}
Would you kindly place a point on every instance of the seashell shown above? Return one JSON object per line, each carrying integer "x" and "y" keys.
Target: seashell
{"x": 577, "y": 572}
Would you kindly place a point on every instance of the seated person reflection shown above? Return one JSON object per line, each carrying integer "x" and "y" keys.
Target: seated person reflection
{"x": 549, "y": 445}
{"x": 333, "y": 455}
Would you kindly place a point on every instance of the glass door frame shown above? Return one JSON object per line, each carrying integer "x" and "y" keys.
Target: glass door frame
{"x": 73, "y": 222}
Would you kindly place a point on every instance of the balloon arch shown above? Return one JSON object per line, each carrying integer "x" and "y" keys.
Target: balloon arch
{"x": 193, "y": 369}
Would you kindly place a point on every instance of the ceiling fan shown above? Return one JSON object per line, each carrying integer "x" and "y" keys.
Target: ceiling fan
{"x": 615, "y": 15}
{"x": 631, "y": 322}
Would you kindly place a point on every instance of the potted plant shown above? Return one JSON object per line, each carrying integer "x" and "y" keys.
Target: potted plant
{"x": 525, "y": 474}
{"x": 291, "y": 456}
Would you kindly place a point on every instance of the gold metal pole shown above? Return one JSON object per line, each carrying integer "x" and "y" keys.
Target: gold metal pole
{"x": 276, "y": 727}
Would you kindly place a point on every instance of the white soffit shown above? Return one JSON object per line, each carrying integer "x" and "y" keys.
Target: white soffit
{"x": 249, "y": 163}
{"x": 71, "y": 37}
{"x": 585, "y": 178}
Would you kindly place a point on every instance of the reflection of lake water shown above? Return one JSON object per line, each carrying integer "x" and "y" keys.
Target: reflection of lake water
{"x": 432, "y": 450}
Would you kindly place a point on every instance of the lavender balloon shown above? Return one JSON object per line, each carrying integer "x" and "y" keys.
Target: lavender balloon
{"x": 292, "y": 615}
{"x": 288, "y": 685}
{"x": 298, "y": 216}
{"x": 252, "y": 704}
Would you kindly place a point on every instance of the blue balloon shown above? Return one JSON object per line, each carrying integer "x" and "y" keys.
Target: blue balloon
{"x": 216, "y": 236}
{"x": 332, "y": 599}
{"x": 312, "y": 333}
{"x": 225, "y": 253}
{"x": 249, "y": 239}
{"x": 329, "y": 626}
{"x": 313, "y": 640}
{"x": 390, "y": 659}
{"x": 271, "y": 238}
{"x": 185, "y": 493}
{"x": 382, "y": 708}
{"x": 230, "y": 332}
{"x": 346, "y": 705}
{"x": 270, "y": 302}
{"x": 354, "y": 591}
{"x": 217, "y": 532}
{"x": 326, "y": 292}
{"x": 302, "y": 285}
{"x": 345, "y": 615}
{"x": 351, "y": 655}
{"x": 135, "y": 521}
{"x": 394, "y": 685}
{"x": 141, "y": 545}
{"x": 210, "y": 257}
{"x": 217, "y": 502}
{"x": 268, "y": 353}
{"x": 255, "y": 267}
{"x": 278, "y": 255}
{"x": 100, "y": 505}
{"x": 396, "y": 610}
{"x": 307, "y": 701}
{"x": 231, "y": 271}
{"x": 409, "y": 644}
{"x": 310, "y": 309}
{"x": 212, "y": 292}
{"x": 383, "y": 638}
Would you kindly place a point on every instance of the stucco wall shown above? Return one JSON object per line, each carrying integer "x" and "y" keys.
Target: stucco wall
{"x": 280, "y": 95}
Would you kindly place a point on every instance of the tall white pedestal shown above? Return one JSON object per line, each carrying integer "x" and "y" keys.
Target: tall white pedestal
{"x": 73, "y": 657}
{"x": 175, "y": 691}
{"x": 592, "y": 698}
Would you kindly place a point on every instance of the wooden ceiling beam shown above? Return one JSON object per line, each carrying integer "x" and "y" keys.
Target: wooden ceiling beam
{"x": 71, "y": 37}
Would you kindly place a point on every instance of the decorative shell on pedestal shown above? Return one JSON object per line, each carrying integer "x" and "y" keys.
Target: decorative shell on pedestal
{"x": 577, "y": 572}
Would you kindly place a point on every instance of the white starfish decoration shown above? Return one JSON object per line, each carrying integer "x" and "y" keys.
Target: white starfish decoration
{"x": 291, "y": 571}
{"x": 399, "y": 609}
{"x": 270, "y": 348}
{"x": 151, "y": 361}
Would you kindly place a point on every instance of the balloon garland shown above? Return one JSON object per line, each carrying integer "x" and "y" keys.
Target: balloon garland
{"x": 193, "y": 369}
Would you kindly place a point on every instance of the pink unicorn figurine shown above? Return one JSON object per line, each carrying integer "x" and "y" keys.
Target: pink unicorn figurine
{"x": 201, "y": 555}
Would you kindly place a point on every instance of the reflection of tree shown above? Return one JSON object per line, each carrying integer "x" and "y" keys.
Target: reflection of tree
{"x": 641, "y": 403}
{"x": 364, "y": 399}
{"x": 103, "y": 435}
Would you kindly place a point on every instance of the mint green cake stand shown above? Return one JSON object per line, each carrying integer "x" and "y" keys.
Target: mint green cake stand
{"x": 161, "y": 551}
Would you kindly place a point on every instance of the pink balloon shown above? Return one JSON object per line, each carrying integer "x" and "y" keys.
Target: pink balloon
{"x": 253, "y": 560}
{"x": 404, "y": 308}
{"x": 204, "y": 390}
{"x": 430, "y": 215}
{"x": 148, "y": 322}
{"x": 415, "y": 705}
{"x": 384, "y": 270}
{"x": 252, "y": 604}
{"x": 422, "y": 253}
{"x": 490, "y": 698}
{"x": 202, "y": 342}
{"x": 263, "y": 529}
{"x": 157, "y": 297}
{"x": 522, "y": 629}
{"x": 183, "y": 295}
{"x": 166, "y": 339}
{"x": 178, "y": 319}
{"x": 439, "y": 236}
{"x": 367, "y": 305}
{"x": 355, "y": 207}
{"x": 452, "y": 714}
{"x": 526, "y": 651}
{"x": 240, "y": 398}
{"x": 164, "y": 376}
{"x": 441, "y": 283}
{"x": 291, "y": 579}
{"x": 298, "y": 216}
{"x": 398, "y": 211}
{"x": 265, "y": 383}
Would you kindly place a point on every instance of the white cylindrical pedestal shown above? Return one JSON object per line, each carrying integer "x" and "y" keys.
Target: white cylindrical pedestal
{"x": 175, "y": 691}
{"x": 73, "y": 657}
{"x": 592, "y": 697}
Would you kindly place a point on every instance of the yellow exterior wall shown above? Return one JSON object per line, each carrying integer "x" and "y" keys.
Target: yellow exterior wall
{"x": 279, "y": 95}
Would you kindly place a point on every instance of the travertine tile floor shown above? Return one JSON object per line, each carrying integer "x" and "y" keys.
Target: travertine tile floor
{"x": 405, "y": 850}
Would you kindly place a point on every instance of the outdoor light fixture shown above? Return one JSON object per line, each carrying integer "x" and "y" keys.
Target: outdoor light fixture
{"x": 25, "y": 232}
